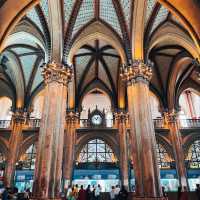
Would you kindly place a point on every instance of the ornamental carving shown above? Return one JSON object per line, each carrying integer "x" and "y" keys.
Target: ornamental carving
{"x": 19, "y": 116}
{"x": 170, "y": 117}
{"x": 137, "y": 71}
{"x": 72, "y": 117}
{"x": 54, "y": 72}
{"x": 121, "y": 116}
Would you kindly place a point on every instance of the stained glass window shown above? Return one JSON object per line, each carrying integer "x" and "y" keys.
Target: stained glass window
{"x": 96, "y": 151}
{"x": 163, "y": 157}
{"x": 194, "y": 155}
{"x": 27, "y": 160}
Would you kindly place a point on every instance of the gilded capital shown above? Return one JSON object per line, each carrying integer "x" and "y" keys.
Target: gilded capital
{"x": 19, "y": 116}
{"x": 170, "y": 117}
{"x": 137, "y": 71}
{"x": 54, "y": 72}
{"x": 121, "y": 116}
{"x": 72, "y": 117}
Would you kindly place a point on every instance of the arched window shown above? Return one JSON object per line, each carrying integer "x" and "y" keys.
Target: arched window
{"x": 2, "y": 161}
{"x": 163, "y": 157}
{"x": 27, "y": 160}
{"x": 96, "y": 151}
{"x": 194, "y": 155}
{"x": 5, "y": 111}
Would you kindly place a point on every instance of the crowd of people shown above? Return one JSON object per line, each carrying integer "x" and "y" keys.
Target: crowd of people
{"x": 93, "y": 193}
{"x": 12, "y": 193}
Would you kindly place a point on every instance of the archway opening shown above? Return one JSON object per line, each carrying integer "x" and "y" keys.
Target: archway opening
{"x": 97, "y": 163}
{"x": 24, "y": 172}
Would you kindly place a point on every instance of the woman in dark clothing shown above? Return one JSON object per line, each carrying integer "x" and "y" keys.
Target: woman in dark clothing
{"x": 123, "y": 194}
{"x": 88, "y": 193}
{"x": 82, "y": 194}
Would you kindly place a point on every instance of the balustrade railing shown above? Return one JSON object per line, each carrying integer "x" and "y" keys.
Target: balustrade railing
{"x": 34, "y": 123}
{"x": 109, "y": 123}
{"x": 5, "y": 123}
{"x": 189, "y": 123}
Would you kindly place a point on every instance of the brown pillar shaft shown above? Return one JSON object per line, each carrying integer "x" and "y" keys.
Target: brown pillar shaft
{"x": 142, "y": 131}
{"x": 176, "y": 141}
{"x": 121, "y": 119}
{"x": 14, "y": 146}
{"x": 48, "y": 171}
{"x": 69, "y": 146}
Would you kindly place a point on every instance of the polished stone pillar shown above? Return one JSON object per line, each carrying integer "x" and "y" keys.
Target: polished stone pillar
{"x": 121, "y": 119}
{"x": 72, "y": 119}
{"x": 48, "y": 170}
{"x": 175, "y": 136}
{"x": 142, "y": 134}
{"x": 15, "y": 140}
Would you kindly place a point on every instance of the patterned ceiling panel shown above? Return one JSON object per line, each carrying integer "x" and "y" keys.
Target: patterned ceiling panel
{"x": 81, "y": 63}
{"x": 85, "y": 14}
{"x": 68, "y": 6}
{"x": 112, "y": 64}
{"x": 111, "y": 51}
{"x": 103, "y": 76}
{"x": 33, "y": 16}
{"x": 27, "y": 65}
{"x": 126, "y": 6}
{"x": 108, "y": 14}
{"x": 161, "y": 16}
{"x": 38, "y": 77}
{"x": 45, "y": 9}
{"x": 21, "y": 50}
{"x": 149, "y": 9}
{"x": 90, "y": 75}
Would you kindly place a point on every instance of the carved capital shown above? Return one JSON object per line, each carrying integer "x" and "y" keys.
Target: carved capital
{"x": 137, "y": 71}
{"x": 19, "y": 116}
{"x": 170, "y": 117}
{"x": 121, "y": 116}
{"x": 54, "y": 72}
{"x": 72, "y": 116}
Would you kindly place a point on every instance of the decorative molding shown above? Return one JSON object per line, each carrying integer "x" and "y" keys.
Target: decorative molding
{"x": 72, "y": 116}
{"x": 19, "y": 116}
{"x": 121, "y": 116}
{"x": 54, "y": 72}
{"x": 137, "y": 71}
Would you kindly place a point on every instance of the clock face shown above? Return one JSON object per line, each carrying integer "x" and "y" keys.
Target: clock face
{"x": 96, "y": 119}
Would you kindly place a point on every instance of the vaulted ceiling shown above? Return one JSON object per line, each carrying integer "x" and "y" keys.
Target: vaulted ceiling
{"x": 96, "y": 62}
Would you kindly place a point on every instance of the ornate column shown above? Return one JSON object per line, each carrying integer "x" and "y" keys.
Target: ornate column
{"x": 121, "y": 118}
{"x": 48, "y": 171}
{"x": 176, "y": 140}
{"x": 69, "y": 146}
{"x": 18, "y": 120}
{"x": 143, "y": 140}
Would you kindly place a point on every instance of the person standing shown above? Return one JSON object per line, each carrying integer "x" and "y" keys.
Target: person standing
{"x": 179, "y": 193}
{"x": 117, "y": 190}
{"x": 97, "y": 192}
{"x": 82, "y": 194}
{"x": 197, "y": 191}
{"x": 88, "y": 193}
{"x": 123, "y": 194}
{"x": 5, "y": 194}
{"x": 112, "y": 193}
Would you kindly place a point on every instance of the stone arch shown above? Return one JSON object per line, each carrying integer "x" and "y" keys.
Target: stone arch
{"x": 99, "y": 31}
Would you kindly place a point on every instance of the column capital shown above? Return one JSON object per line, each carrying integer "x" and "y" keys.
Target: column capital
{"x": 121, "y": 116}
{"x": 71, "y": 116}
{"x": 19, "y": 116}
{"x": 137, "y": 71}
{"x": 171, "y": 116}
{"x": 56, "y": 72}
